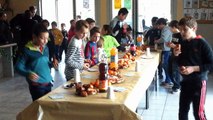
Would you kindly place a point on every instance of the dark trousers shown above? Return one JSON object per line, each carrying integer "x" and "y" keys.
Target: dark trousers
{"x": 39, "y": 91}
{"x": 195, "y": 92}
{"x": 174, "y": 72}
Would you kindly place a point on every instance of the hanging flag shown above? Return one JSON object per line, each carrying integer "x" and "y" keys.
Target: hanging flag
{"x": 117, "y": 4}
{"x": 128, "y": 4}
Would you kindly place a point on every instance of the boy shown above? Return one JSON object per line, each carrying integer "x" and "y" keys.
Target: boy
{"x": 63, "y": 46}
{"x": 34, "y": 63}
{"x": 116, "y": 26}
{"x": 91, "y": 46}
{"x": 166, "y": 36}
{"x": 58, "y": 38}
{"x": 195, "y": 59}
{"x": 74, "y": 58}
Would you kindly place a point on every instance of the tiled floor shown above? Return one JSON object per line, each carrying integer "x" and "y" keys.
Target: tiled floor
{"x": 14, "y": 97}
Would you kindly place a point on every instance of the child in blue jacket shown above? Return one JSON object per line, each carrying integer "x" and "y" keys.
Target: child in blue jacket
{"x": 34, "y": 63}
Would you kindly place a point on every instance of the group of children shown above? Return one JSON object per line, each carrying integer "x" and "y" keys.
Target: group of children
{"x": 192, "y": 56}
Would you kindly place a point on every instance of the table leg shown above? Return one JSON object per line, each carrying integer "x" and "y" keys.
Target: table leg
{"x": 147, "y": 98}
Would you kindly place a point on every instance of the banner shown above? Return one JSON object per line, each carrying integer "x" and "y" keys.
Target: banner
{"x": 128, "y": 4}
{"x": 117, "y": 4}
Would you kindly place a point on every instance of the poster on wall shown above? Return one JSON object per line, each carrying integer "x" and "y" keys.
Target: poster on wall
{"x": 187, "y": 12}
{"x": 86, "y": 4}
{"x": 117, "y": 4}
{"x": 210, "y": 16}
{"x": 203, "y": 14}
{"x": 203, "y": 4}
{"x": 128, "y": 4}
{"x": 196, "y": 14}
{"x": 187, "y": 3}
{"x": 195, "y": 4}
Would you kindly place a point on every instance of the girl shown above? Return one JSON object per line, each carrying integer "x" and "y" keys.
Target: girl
{"x": 75, "y": 56}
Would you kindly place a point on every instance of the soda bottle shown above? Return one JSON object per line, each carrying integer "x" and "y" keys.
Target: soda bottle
{"x": 132, "y": 49}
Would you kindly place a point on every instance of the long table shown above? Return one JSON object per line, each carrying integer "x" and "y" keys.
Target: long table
{"x": 97, "y": 107}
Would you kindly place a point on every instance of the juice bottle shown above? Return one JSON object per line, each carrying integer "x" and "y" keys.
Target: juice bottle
{"x": 114, "y": 55}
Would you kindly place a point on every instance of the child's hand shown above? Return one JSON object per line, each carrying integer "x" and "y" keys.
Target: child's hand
{"x": 33, "y": 76}
{"x": 55, "y": 63}
{"x": 186, "y": 70}
{"x": 86, "y": 66}
{"x": 177, "y": 49}
{"x": 88, "y": 61}
{"x": 171, "y": 44}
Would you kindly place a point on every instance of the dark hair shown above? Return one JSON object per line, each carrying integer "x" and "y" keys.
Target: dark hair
{"x": 100, "y": 43}
{"x": 173, "y": 24}
{"x": 63, "y": 24}
{"x": 38, "y": 29}
{"x": 162, "y": 21}
{"x": 129, "y": 28}
{"x": 94, "y": 30}
{"x": 27, "y": 14}
{"x": 72, "y": 21}
{"x": 108, "y": 29}
{"x": 45, "y": 21}
{"x": 31, "y": 8}
{"x": 2, "y": 14}
{"x": 188, "y": 21}
{"x": 54, "y": 23}
{"x": 154, "y": 20}
{"x": 90, "y": 20}
{"x": 80, "y": 24}
{"x": 123, "y": 11}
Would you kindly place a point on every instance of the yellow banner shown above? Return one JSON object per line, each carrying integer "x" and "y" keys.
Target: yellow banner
{"x": 117, "y": 4}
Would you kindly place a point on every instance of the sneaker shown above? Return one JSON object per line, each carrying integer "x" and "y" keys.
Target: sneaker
{"x": 175, "y": 89}
{"x": 167, "y": 85}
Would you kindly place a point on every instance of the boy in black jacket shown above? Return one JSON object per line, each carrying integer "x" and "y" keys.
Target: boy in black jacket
{"x": 195, "y": 59}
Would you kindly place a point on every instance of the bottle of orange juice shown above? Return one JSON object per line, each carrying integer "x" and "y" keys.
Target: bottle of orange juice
{"x": 114, "y": 55}
{"x": 139, "y": 40}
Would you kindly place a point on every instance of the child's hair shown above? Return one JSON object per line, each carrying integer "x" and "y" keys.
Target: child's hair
{"x": 94, "y": 30}
{"x": 63, "y": 24}
{"x": 54, "y": 23}
{"x": 45, "y": 21}
{"x": 162, "y": 21}
{"x": 80, "y": 24}
{"x": 123, "y": 11}
{"x": 188, "y": 21}
{"x": 154, "y": 20}
{"x": 129, "y": 28}
{"x": 38, "y": 29}
{"x": 90, "y": 20}
{"x": 173, "y": 24}
{"x": 108, "y": 29}
{"x": 100, "y": 43}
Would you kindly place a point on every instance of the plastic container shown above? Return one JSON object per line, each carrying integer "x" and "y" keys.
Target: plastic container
{"x": 114, "y": 55}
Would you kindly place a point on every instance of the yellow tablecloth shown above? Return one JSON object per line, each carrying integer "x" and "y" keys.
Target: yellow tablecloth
{"x": 97, "y": 107}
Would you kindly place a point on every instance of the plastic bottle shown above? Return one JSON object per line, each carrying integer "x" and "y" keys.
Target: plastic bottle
{"x": 132, "y": 49}
{"x": 114, "y": 55}
{"x": 103, "y": 76}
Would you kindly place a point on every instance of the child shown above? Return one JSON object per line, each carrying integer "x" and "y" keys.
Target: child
{"x": 174, "y": 70}
{"x": 75, "y": 56}
{"x": 166, "y": 36}
{"x": 126, "y": 39}
{"x": 34, "y": 63}
{"x": 195, "y": 59}
{"x": 58, "y": 38}
{"x": 109, "y": 41}
{"x": 91, "y": 46}
{"x": 100, "y": 45}
{"x": 63, "y": 46}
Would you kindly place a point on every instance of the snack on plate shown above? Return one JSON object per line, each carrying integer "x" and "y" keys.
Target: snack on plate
{"x": 85, "y": 89}
{"x": 115, "y": 79}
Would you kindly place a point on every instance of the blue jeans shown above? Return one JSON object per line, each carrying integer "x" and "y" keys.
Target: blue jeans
{"x": 165, "y": 65}
{"x": 39, "y": 91}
